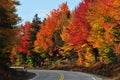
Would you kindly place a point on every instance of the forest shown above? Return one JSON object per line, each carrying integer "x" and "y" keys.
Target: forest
{"x": 86, "y": 36}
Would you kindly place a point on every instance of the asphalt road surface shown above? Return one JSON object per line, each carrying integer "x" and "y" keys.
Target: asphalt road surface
{"x": 62, "y": 75}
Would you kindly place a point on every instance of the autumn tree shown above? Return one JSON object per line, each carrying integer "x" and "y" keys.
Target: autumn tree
{"x": 79, "y": 27}
{"x": 23, "y": 47}
{"x": 76, "y": 33}
{"x": 105, "y": 20}
{"x": 35, "y": 27}
{"x": 63, "y": 21}
{"x": 48, "y": 38}
{"x": 25, "y": 39}
{"x": 34, "y": 57}
{"x": 26, "y": 46}
{"x": 8, "y": 33}
{"x": 53, "y": 23}
{"x": 8, "y": 20}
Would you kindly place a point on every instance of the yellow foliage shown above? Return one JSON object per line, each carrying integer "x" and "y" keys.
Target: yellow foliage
{"x": 67, "y": 47}
{"x": 38, "y": 49}
{"x": 64, "y": 35}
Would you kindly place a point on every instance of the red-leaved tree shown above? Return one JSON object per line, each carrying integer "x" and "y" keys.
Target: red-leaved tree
{"x": 25, "y": 39}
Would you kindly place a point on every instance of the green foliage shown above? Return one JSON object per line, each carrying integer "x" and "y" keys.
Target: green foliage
{"x": 43, "y": 55}
{"x": 39, "y": 50}
{"x": 24, "y": 58}
{"x": 111, "y": 56}
{"x": 18, "y": 61}
{"x": 35, "y": 27}
{"x": 68, "y": 15}
{"x": 108, "y": 55}
{"x": 116, "y": 33}
{"x": 16, "y": 58}
{"x": 57, "y": 38}
{"x": 29, "y": 60}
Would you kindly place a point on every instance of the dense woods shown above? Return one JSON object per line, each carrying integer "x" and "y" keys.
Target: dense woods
{"x": 87, "y": 36}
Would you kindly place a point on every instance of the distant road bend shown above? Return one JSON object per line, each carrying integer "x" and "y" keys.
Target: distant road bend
{"x": 62, "y": 75}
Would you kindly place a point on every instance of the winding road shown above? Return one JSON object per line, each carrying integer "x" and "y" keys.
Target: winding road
{"x": 62, "y": 75}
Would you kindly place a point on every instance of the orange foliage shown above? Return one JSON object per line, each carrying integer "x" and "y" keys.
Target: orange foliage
{"x": 93, "y": 24}
{"x": 52, "y": 23}
{"x": 44, "y": 38}
{"x": 105, "y": 18}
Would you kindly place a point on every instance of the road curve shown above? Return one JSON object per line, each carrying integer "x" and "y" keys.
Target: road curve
{"x": 62, "y": 75}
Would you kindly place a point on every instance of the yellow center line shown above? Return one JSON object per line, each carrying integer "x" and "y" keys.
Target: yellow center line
{"x": 61, "y": 76}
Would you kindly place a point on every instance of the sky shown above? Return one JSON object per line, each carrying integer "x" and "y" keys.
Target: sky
{"x": 29, "y": 8}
